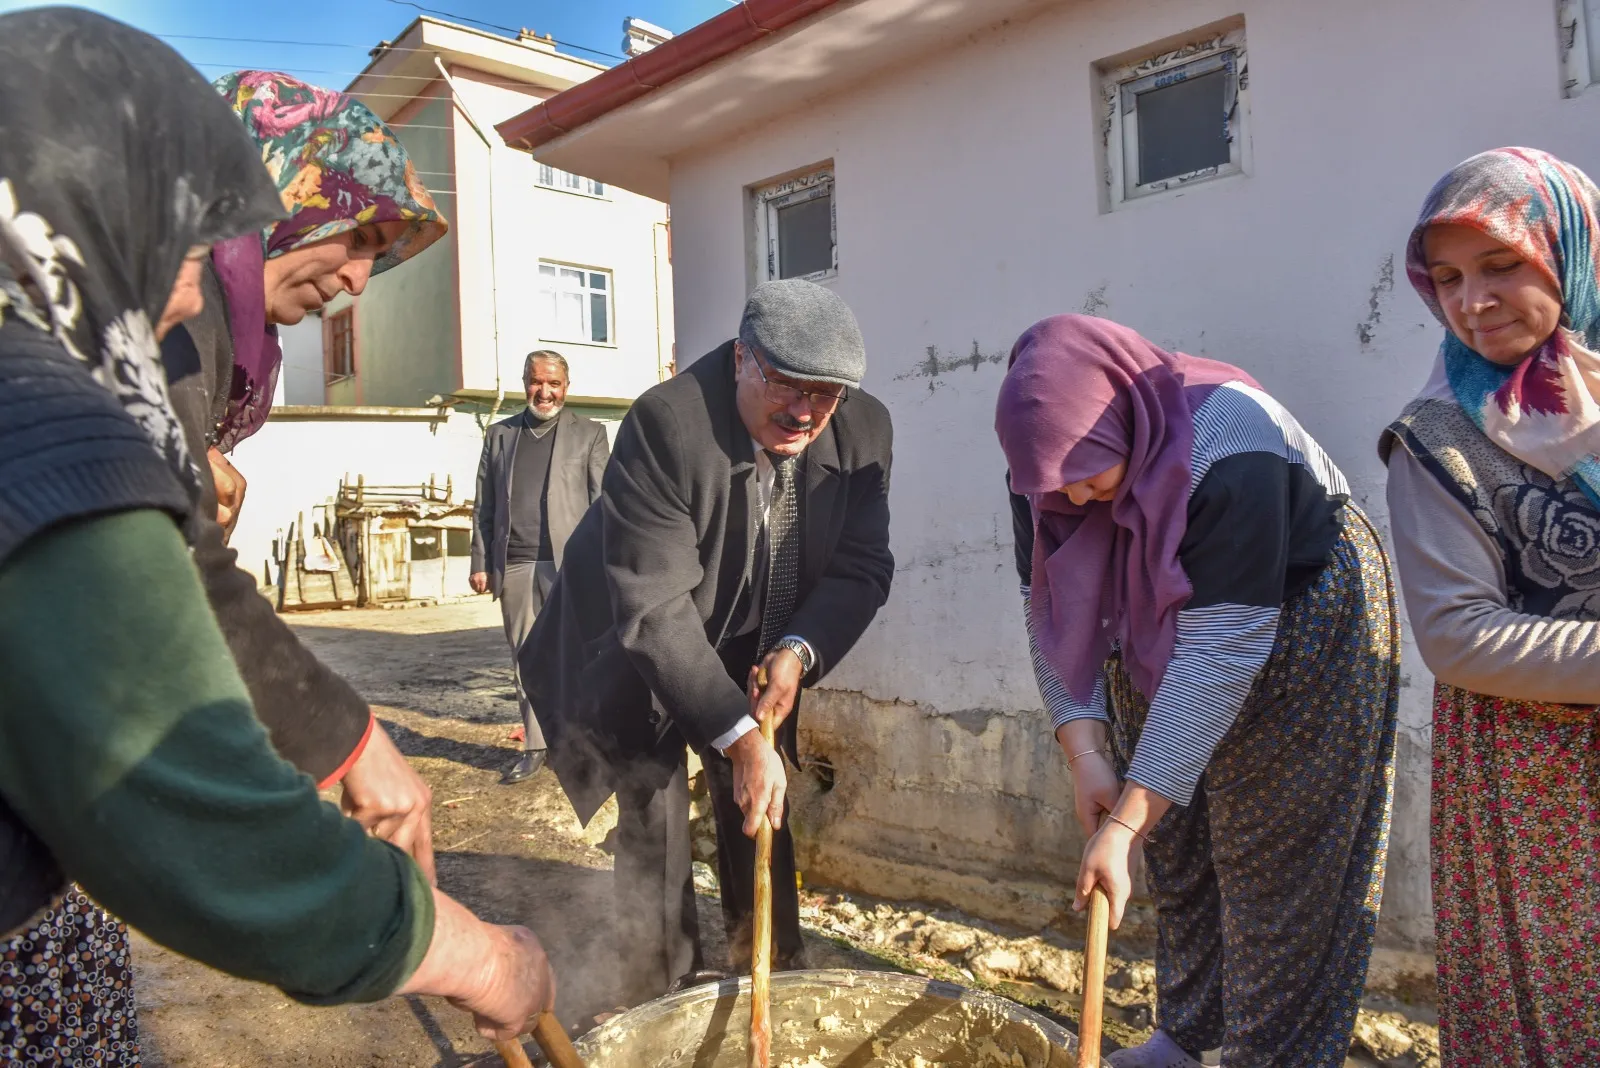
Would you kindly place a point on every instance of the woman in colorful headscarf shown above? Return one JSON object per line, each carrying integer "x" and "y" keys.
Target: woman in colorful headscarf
{"x": 130, "y": 759}
{"x": 1213, "y": 630}
{"x": 1494, "y": 497}
{"x": 355, "y": 209}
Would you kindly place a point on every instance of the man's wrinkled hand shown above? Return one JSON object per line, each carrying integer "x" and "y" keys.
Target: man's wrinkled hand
{"x": 479, "y": 581}
{"x": 518, "y": 988}
{"x": 385, "y": 795}
{"x": 759, "y": 781}
{"x": 231, "y": 488}
{"x": 783, "y": 670}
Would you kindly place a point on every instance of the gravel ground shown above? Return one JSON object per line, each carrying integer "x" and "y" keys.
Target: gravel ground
{"x": 440, "y": 680}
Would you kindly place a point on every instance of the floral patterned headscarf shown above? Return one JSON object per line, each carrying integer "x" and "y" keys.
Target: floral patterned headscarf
{"x": 337, "y": 167}
{"x": 336, "y": 164}
{"x": 1545, "y": 411}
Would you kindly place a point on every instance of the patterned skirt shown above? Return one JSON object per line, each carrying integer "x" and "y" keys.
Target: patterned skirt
{"x": 66, "y": 991}
{"x": 1267, "y": 885}
{"x": 1516, "y": 881}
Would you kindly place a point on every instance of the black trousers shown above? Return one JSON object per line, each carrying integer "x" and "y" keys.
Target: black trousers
{"x": 657, "y": 927}
{"x": 658, "y": 932}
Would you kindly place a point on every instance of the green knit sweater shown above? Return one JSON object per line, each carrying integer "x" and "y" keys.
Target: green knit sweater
{"x": 127, "y": 743}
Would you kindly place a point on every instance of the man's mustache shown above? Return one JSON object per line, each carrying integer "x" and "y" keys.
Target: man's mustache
{"x": 791, "y": 424}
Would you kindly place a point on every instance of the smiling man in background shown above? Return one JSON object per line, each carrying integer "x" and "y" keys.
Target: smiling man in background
{"x": 744, "y": 521}
{"x": 539, "y": 473}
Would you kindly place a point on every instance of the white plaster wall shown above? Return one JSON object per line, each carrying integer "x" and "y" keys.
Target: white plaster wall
{"x": 968, "y": 208}
{"x": 621, "y": 232}
{"x": 406, "y": 319}
{"x": 300, "y": 381}
{"x": 294, "y": 465}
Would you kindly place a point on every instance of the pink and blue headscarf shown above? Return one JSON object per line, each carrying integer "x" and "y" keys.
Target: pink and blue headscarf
{"x": 337, "y": 167}
{"x": 1545, "y": 411}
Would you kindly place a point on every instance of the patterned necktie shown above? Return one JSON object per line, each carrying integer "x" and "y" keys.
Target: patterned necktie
{"x": 783, "y": 552}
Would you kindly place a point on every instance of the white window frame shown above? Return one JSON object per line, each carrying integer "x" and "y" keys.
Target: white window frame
{"x": 774, "y": 195}
{"x": 546, "y": 176}
{"x": 1578, "y": 33}
{"x": 548, "y": 329}
{"x": 1120, "y": 86}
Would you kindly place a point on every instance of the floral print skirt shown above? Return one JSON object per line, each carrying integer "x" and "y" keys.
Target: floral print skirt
{"x": 1267, "y": 885}
{"x": 66, "y": 991}
{"x": 1516, "y": 881}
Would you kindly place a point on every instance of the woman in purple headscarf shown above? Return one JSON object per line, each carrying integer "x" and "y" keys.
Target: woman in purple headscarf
{"x": 1213, "y": 629}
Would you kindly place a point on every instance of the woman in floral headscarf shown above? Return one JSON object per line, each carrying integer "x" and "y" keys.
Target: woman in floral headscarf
{"x": 1494, "y": 496}
{"x": 355, "y": 210}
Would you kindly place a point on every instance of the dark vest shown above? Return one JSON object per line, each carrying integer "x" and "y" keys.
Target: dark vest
{"x": 55, "y": 419}
{"x": 1547, "y": 530}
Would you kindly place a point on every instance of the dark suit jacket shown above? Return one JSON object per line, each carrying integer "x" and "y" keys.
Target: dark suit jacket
{"x": 655, "y": 570}
{"x": 576, "y": 465}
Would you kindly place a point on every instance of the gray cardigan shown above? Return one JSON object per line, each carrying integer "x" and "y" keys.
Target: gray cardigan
{"x": 1456, "y": 595}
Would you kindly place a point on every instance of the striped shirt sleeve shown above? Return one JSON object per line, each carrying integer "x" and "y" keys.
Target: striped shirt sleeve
{"x": 1058, "y": 700}
{"x": 1219, "y": 651}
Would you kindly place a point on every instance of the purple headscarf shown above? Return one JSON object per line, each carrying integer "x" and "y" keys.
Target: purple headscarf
{"x": 1081, "y": 396}
{"x": 239, "y": 263}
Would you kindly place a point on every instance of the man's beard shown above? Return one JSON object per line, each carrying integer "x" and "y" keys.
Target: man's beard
{"x": 546, "y": 412}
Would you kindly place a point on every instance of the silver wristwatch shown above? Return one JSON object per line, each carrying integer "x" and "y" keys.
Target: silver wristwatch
{"x": 799, "y": 648}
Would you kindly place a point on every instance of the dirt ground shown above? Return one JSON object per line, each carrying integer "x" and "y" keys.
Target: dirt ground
{"x": 440, "y": 680}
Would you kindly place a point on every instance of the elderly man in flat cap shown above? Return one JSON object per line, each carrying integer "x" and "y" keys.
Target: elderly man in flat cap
{"x": 743, "y": 522}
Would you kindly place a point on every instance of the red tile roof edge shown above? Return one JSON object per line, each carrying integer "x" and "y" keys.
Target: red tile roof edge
{"x": 721, "y": 35}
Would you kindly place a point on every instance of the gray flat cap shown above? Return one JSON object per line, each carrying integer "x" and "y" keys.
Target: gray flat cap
{"x": 805, "y": 331}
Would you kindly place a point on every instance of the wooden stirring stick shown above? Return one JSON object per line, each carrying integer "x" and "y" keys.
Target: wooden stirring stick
{"x": 552, "y": 1038}
{"x": 761, "y": 933}
{"x": 1092, "y": 1018}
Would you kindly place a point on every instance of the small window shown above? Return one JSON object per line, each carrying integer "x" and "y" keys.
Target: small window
{"x": 339, "y": 346}
{"x": 576, "y": 303}
{"x": 796, "y": 228}
{"x": 1176, "y": 118}
{"x": 556, "y": 178}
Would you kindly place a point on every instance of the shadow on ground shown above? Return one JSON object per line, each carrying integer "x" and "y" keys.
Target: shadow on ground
{"x": 471, "y": 754}
{"x": 458, "y": 674}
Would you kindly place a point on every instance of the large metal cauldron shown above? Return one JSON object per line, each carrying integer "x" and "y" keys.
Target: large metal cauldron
{"x": 833, "y": 1019}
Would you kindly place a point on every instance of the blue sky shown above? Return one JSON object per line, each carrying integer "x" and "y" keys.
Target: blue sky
{"x": 336, "y": 34}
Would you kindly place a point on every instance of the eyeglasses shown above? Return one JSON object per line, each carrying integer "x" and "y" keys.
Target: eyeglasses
{"x": 778, "y": 393}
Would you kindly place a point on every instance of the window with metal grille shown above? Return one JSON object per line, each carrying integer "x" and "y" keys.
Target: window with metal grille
{"x": 339, "y": 345}
{"x": 796, "y": 228}
{"x": 576, "y": 303}
{"x": 556, "y": 178}
{"x": 1176, "y": 117}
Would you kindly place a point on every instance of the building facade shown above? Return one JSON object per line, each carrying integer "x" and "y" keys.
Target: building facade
{"x": 536, "y": 257}
{"x": 1234, "y": 179}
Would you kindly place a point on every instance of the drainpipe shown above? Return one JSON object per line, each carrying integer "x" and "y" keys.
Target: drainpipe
{"x": 494, "y": 265}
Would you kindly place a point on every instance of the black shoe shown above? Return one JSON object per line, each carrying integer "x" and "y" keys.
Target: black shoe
{"x": 526, "y": 767}
{"x": 699, "y": 978}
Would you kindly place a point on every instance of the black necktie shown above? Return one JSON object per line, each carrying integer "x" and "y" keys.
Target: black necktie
{"x": 783, "y": 552}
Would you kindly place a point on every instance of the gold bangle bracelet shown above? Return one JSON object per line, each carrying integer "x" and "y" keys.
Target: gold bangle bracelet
{"x": 1086, "y": 752}
{"x": 1112, "y": 816}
